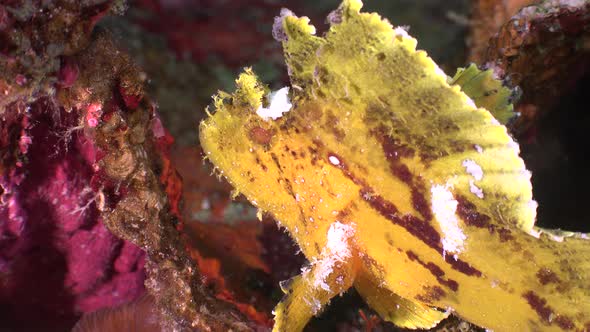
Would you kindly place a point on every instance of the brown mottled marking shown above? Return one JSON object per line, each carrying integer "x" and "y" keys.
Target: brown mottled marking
{"x": 306, "y": 118}
{"x": 505, "y": 234}
{"x": 343, "y": 166}
{"x": 426, "y": 103}
{"x": 321, "y": 74}
{"x": 435, "y": 270}
{"x": 462, "y": 266}
{"x": 345, "y": 212}
{"x": 259, "y": 162}
{"x": 546, "y": 313}
{"x": 369, "y": 262}
{"x": 393, "y": 149}
{"x": 547, "y": 276}
{"x": 433, "y": 294}
{"x": 393, "y": 152}
{"x": 539, "y": 305}
{"x": 564, "y": 322}
{"x": 468, "y": 212}
{"x": 389, "y": 239}
{"x": 429, "y": 154}
{"x": 415, "y": 226}
{"x": 260, "y": 135}
{"x": 457, "y": 146}
{"x": 275, "y": 159}
{"x": 528, "y": 255}
{"x": 402, "y": 172}
{"x": 288, "y": 186}
{"x": 420, "y": 204}
{"x": 419, "y": 228}
{"x": 332, "y": 125}
{"x": 315, "y": 156}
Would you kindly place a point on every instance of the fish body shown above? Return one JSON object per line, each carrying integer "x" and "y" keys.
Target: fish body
{"x": 394, "y": 181}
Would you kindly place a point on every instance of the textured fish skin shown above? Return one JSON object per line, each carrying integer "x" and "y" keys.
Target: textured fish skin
{"x": 397, "y": 183}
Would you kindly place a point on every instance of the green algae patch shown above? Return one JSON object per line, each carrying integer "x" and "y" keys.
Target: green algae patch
{"x": 395, "y": 182}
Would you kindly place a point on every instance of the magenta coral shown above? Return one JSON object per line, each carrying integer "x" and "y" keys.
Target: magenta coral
{"x": 57, "y": 259}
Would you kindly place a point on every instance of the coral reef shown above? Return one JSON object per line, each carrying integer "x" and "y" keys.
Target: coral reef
{"x": 542, "y": 50}
{"x": 83, "y": 148}
{"x": 487, "y": 17}
{"x": 57, "y": 259}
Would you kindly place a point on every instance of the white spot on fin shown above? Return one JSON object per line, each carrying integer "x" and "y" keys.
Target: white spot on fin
{"x": 475, "y": 189}
{"x": 473, "y": 169}
{"x": 401, "y": 31}
{"x": 334, "y": 160}
{"x": 279, "y": 104}
{"x": 444, "y": 207}
{"x": 477, "y": 173}
{"x": 336, "y": 250}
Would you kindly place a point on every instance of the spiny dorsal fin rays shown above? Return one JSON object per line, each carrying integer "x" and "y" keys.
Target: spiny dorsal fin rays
{"x": 299, "y": 45}
{"x": 304, "y": 51}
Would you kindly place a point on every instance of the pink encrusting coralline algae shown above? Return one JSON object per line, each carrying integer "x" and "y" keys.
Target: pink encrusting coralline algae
{"x": 57, "y": 259}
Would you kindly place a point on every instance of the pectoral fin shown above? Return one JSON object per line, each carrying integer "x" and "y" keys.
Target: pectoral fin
{"x": 398, "y": 310}
{"x": 486, "y": 91}
{"x": 307, "y": 293}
